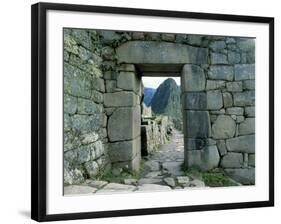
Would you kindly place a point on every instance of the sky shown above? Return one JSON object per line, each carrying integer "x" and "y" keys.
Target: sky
{"x": 154, "y": 82}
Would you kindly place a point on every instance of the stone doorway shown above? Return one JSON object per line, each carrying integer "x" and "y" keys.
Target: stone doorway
{"x": 144, "y": 58}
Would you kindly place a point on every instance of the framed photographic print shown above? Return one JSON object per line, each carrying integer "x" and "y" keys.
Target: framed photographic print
{"x": 139, "y": 111}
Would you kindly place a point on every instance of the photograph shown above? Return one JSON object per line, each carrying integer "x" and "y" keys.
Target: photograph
{"x": 154, "y": 111}
{"x": 150, "y": 111}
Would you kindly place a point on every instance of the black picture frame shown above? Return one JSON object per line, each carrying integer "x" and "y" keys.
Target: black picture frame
{"x": 39, "y": 108}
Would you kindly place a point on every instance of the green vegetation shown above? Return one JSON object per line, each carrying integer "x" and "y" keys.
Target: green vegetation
{"x": 213, "y": 178}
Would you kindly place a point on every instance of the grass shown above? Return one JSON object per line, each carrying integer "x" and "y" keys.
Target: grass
{"x": 212, "y": 178}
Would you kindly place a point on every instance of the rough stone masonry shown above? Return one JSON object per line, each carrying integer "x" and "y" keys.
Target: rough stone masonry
{"x": 103, "y": 97}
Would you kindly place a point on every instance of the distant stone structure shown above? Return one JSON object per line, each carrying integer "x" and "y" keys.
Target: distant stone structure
{"x": 103, "y": 92}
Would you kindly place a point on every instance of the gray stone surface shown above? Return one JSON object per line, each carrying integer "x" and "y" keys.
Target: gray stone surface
{"x": 244, "y": 71}
{"x": 115, "y": 187}
{"x": 170, "y": 181}
{"x": 150, "y": 181}
{"x": 194, "y": 143}
{"x": 124, "y": 150}
{"x": 78, "y": 189}
{"x": 92, "y": 168}
{"x": 153, "y": 187}
{"x": 205, "y": 159}
{"x": 193, "y": 78}
{"x": 173, "y": 168}
{"x": 233, "y": 57}
{"x": 215, "y": 84}
{"x": 227, "y": 99}
{"x": 223, "y": 127}
{"x": 195, "y": 100}
{"x": 69, "y": 104}
{"x": 84, "y": 123}
{"x": 214, "y": 100}
{"x": 85, "y": 106}
{"x": 234, "y": 86}
{"x": 151, "y": 165}
{"x": 183, "y": 180}
{"x": 217, "y": 45}
{"x": 246, "y": 98}
{"x": 250, "y": 111}
{"x": 249, "y": 84}
{"x": 221, "y": 72}
{"x": 241, "y": 144}
{"x": 244, "y": 176}
{"x": 124, "y": 124}
{"x": 97, "y": 183}
{"x": 120, "y": 99}
{"x": 142, "y": 52}
{"x": 235, "y": 110}
{"x": 168, "y": 37}
{"x": 221, "y": 147}
{"x": 247, "y": 127}
{"x": 232, "y": 160}
{"x": 128, "y": 81}
{"x": 217, "y": 58}
{"x": 197, "y": 124}
{"x": 251, "y": 160}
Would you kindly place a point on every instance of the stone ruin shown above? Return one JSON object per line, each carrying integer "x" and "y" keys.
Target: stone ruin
{"x": 103, "y": 97}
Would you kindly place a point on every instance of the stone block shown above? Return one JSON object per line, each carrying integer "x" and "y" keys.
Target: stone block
{"x": 214, "y": 100}
{"x": 76, "y": 82}
{"x": 205, "y": 159}
{"x": 246, "y": 44}
{"x": 69, "y": 104}
{"x": 194, "y": 144}
{"x": 232, "y": 160}
{"x": 193, "y": 78}
{"x": 218, "y": 45}
{"x": 244, "y": 71}
{"x": 155, "y": 52}
{"x": 221, "y": 72}
{"x": 88, "y": 107}
{"x": 234, "y": 86}
{"x": 120, "y": 99}
{"x": 223, "y": 127}
{"x": 124, "y": 124}
{"x": 127, "y": 68}
{"x": 82, "y": 124}
{"x": 246, "y": 98}
{"x": 249, "y": 84}
{"x": 168, "y": 37}
{"x": 195, "y": 100}
{"x": 227, "y": 99}
{"x": 250, "y": 111}
{"x": 235, "y": 110}
{"x": 124, "y": 150}
{"x": 233, "y": 57}
{"x": 243, "y": 176}
{"x": 251, "y": 160}
{"x": 241, "y": 144}
{"x": 215, "y": 84}
{"x": 128, "y": 81}
{"x": 217, "y": 58}
{"x": 92, "y": 169}
{"x": 197, "y": 124}
{"x": 221, "y": 147}
{"x": 247, "y": 127}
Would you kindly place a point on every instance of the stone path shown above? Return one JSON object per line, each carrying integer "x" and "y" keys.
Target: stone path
{"x": 161, "y": 171}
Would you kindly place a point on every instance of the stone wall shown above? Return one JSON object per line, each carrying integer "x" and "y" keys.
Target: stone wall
{"x": 102, "y": 79}
{"x": 155, "y": 131}
{"x": 219, "y": 109}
